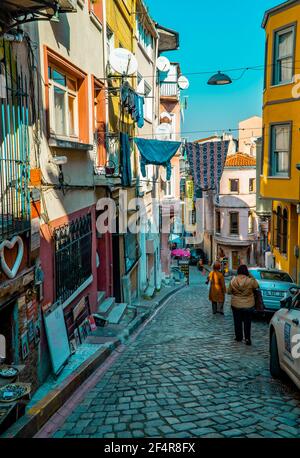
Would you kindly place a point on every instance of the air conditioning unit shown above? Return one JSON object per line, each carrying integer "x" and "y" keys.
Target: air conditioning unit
{"x": 68, "y": 5}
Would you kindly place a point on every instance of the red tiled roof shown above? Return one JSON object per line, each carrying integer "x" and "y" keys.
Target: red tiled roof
{"x": 240, "y": 160}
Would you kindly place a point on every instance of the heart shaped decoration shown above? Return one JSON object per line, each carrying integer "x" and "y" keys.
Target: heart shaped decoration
{"x": 11, "y": 273}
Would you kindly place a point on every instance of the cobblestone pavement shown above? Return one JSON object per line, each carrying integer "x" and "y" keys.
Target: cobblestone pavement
{"x": 184, "y": 376}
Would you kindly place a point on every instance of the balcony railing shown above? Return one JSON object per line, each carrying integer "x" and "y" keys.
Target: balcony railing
{"x": 169, "y": 90}
{"x": 14, "y": 149}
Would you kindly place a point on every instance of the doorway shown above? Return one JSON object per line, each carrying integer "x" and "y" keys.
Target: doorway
{"x": 117, "y": 292}
{"x": 7, "y": 329}
{"x": 235, "y": 260}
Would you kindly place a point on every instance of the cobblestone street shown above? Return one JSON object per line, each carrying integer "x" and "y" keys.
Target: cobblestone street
{"x": 184, "y": 376}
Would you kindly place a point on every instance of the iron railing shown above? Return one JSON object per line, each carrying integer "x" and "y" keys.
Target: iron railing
{"x": 14, "y": 147}
{"x": 73, "y": 256}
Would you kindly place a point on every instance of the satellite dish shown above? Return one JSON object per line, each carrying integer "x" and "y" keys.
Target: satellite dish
{"x": 163, "y": 131}
{"x": 123, "y": 61}
{"x": 163, "y": 64}
{"x": 165, "y": 115}
{"x": 183, "y": 83}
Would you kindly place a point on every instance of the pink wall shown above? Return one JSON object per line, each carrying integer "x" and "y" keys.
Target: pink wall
{"x": 47, "y": 258}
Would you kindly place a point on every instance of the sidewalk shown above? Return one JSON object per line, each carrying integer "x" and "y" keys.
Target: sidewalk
{"x": 89, "y": 356}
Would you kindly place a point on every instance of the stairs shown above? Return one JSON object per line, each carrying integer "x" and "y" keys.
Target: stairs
{"x": 109, "y": 312}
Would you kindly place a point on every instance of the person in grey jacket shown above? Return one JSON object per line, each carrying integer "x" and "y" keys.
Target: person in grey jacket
{"x": 242, "y": 289}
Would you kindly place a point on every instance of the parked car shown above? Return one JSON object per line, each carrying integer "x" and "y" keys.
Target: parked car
{"x": 285, "y": 338}
{"x": 274, "y": 285}
{"x": 196, "y": 255}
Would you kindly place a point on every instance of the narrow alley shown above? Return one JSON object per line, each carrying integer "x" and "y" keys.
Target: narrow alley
{"x": 184, "y": 376}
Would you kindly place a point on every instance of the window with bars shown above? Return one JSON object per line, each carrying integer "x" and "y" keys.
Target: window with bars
{"x": 15, "y": 118}
{"x": 73, "y": 256}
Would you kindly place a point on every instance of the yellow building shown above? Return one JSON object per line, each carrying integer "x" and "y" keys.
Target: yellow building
{"x": 280, "y": 179}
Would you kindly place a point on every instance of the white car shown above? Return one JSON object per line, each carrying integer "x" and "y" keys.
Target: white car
{"x": 285, "y": 339}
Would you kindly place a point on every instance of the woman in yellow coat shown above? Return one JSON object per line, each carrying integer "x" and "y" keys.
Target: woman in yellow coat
{"x": 217, "y": 289}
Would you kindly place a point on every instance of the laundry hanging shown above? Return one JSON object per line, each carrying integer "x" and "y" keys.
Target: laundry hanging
{"x": 207, "y": 161}
{"x": 157, "y": 152}
{"x": 134, "y": 103}
{"x": 125, "y": 159}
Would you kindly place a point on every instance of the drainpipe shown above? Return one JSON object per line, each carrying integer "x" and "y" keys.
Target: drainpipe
{"x": 105, "y": 63}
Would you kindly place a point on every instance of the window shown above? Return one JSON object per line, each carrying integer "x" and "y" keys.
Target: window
{"x": 96, "y": 7}
{"x": 250, "y": 223}
{"x": 284, "y": 44}
{"x": 144, "y": 89}
{"x": 284, "y": 231}
{"x": 280, "y": 149}
{"x": 234, "y": 185}
{"x": 148, "y": 102}
{"x": 110, "y": 41}
{"x": 131, "y": 250}
{"x": 63, "y": 103}
{"x": 278, "y": 227}
{"x": 266, "y": 63}
{"x": 275, "y": 276}
{"x": 234, "y": 223}
{"x": 145, "y": 38}
{"x": 73, "y": 255}
{"x": 252, "y": 185}
{"x": 218, "y": 222}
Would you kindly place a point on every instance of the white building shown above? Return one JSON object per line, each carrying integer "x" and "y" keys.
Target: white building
{"x": 235, "y": 227}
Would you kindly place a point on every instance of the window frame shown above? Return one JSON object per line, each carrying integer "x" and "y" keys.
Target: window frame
{"x": 218, "y": 222}
{"x": 252, "y": 190}
{"x": 67, "y": 93}
{"x": 276, "y": 33}
{"x": 271, "y": 173}
{"x": 238, "y": 185}
{"x": 238, "y": 223}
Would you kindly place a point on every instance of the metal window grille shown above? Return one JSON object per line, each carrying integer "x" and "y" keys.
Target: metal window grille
{"x": 14, "y": 148}
{"x": 73, "y": 255}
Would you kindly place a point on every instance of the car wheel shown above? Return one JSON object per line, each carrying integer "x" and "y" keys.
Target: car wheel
{"x": 275, "y": 368}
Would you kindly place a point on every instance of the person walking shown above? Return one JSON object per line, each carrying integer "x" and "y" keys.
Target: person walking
{"x": 242, "y": 289}
{"x": 217, "y": 289}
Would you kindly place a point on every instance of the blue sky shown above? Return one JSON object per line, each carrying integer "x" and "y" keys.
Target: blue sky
{"x": 217, "y": 35}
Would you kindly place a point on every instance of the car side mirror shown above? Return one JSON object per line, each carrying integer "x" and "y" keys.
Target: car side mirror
{"x": 294, "y": 290}
{"x": 286, "y": 302}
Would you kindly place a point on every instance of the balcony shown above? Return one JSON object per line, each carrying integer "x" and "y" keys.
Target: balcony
{"x": 169, "y": 90}
{"x": 16, "y": 12}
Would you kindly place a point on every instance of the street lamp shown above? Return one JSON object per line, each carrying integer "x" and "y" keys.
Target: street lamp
{"x": 219, "y": 79}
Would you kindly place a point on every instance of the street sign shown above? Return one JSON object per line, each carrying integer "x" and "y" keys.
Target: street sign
{"x": 185, "y": 269}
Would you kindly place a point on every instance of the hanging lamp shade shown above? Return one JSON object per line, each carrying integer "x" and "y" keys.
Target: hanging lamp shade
{"x": 219, "y": 79}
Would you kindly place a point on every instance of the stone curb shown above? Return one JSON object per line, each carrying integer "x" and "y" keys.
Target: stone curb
{"x": 28, "y": 425}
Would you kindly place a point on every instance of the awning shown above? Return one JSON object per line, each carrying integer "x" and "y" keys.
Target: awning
{"x": 168, "y": 39}
{"x": 16, "y": 12}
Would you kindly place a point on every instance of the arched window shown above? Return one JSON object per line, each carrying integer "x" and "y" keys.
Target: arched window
{"x": 284, "y": 233}
{"x": 278, "y": 227}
